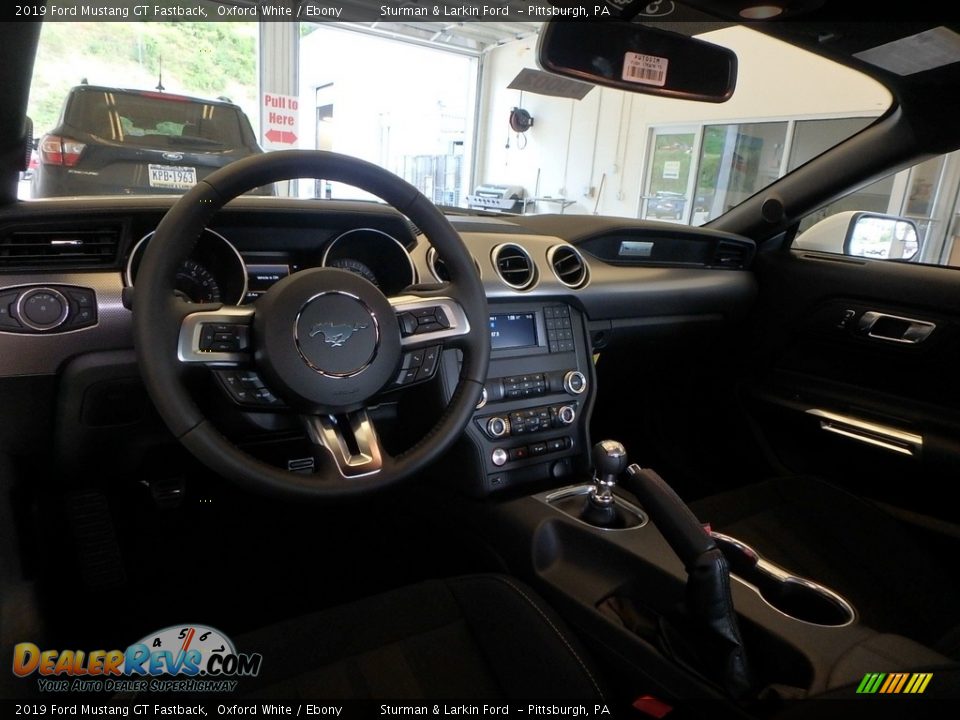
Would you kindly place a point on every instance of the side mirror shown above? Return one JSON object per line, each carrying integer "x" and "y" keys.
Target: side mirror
{"x": 882, "y": 236}
{"x": 638, "y": 58}
{"x": 864, "y": 234}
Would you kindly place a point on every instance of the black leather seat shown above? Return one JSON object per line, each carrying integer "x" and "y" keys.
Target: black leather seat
{"x": 816, "y": 530}
{"x": 478, "y": 637}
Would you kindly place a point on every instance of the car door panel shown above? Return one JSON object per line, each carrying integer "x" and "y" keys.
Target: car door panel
{"x": 873, "y": 408}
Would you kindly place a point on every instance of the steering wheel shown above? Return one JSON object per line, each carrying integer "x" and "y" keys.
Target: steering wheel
{"x": 325, "y": 341}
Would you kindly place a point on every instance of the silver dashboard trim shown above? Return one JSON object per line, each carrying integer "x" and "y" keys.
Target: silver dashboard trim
{"x": 534, "y": 268}
{"x": 551, "y": 251}
{"x": 551, "y": 498}
{"x": 44, "y": 353}
{"x": 141, "y": 244}
{"x": 188, "y": 344}
{"x": 406, "y": 253}
{"x": 885, "y": 437}
{"x": 459, "y": 325}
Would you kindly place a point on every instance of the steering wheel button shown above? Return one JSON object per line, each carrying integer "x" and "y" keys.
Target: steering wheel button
{"x": 430, "y": 326}
{"x": 414, "y": 359}
{"x": 430, "y": 357}
{"x": 442, "y": 319}
{"x": 408, "y": 323}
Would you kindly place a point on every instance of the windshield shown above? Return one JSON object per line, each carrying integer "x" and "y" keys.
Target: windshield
{"x": 460, "y": 110}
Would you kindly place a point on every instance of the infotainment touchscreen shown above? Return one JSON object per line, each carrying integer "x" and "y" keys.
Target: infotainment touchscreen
{"x": 514, "y": 330}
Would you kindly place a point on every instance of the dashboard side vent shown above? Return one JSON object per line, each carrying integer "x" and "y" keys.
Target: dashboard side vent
{"x": 568, "y": 265}
{"x": 514, "y": 266}
{"x": 41, "y": 248}
{"x": 439, "y": 268}
{"x": 729, "y": 254}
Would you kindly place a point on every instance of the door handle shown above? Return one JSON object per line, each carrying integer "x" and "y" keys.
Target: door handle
{"x": 870, "y": 433}
{"x": 895, "y": 328}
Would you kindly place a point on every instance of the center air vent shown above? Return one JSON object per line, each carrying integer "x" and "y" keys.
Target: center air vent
{"x": 568, "y": 265}
{"x": 514, "y": 266}
{"x": 66, "y": 248}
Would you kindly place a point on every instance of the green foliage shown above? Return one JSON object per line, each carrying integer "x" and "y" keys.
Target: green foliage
{"x": 204, "y": 59}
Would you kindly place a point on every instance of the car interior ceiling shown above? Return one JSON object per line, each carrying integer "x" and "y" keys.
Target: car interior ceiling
{"x": 711, "y": 390}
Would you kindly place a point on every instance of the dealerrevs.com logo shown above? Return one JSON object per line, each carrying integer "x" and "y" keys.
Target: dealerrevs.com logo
{"x": 179, "y": 658}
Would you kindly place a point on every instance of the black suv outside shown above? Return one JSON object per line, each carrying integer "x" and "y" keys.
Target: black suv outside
{"x": 112, "y": 141}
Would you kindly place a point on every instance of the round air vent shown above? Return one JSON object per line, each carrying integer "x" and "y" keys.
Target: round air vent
{"x": 514, "y": 266}
{"x": 438, "y": 268}
{"x": 568, "y": 265}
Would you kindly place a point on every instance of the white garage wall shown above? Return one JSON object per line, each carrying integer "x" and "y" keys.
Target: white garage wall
{"x": 392, "y": 100}
{"x": 572, "y": 150}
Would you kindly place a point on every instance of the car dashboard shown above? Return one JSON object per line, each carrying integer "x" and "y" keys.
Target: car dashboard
{"x": 560, "y": 289}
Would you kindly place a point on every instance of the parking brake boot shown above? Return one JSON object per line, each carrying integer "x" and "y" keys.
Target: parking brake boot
{"x": 711, "y": 634}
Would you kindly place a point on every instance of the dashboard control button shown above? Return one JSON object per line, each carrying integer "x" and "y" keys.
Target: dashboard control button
{"x": 499, "y": 457}
{"x": 519, "y": 453}
{"x": 557, "y": 444}
{"x": 83, "y": 317}
{"x": 81, "y": 297}
{"x": 566, "y": 414}
{"x": 575, "y": 382}
{"x": 497, "y": 427}
{"x": 7, "y": 319}
{"x": 42, "y": 308}
{"x": 538, "y": 449}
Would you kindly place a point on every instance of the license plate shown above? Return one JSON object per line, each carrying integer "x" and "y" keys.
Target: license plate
{"x": 174, "y": 178}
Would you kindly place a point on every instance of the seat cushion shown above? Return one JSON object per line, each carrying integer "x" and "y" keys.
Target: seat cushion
{"x": 483, "y": 637}
{"x": 853, "y": 546}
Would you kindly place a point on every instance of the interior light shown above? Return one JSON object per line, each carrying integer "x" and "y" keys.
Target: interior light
{"x": 761, "y": 12}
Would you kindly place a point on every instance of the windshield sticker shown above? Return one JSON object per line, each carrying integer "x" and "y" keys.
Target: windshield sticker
{"x": 645, "y": 69}
{"x": 923, "y": 51}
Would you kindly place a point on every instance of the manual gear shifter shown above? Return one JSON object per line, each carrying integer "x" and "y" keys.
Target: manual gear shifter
{"x": 609, "y": 461}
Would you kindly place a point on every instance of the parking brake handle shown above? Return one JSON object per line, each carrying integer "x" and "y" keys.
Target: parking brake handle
{"x": 710, "y": 615}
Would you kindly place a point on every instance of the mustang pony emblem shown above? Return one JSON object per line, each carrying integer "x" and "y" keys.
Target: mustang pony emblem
{"x": 335, "y": 335}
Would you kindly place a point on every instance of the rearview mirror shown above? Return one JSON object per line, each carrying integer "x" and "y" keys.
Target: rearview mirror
{"x": 638, "y": 58}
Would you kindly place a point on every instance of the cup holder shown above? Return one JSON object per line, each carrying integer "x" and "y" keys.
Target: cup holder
{"x": 795, "y": 597}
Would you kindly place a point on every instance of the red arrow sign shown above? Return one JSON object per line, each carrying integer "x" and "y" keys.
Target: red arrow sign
{"x": 281, "y": 137}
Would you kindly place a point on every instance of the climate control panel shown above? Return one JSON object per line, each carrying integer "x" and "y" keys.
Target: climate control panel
{"x": 528, "y": 420}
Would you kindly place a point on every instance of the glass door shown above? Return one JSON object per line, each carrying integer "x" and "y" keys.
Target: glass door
{"x": 670, "y": 175}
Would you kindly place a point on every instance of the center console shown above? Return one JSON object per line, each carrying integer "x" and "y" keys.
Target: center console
{"x": 681, "y": 611}
{"x": 531, "y": 422}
